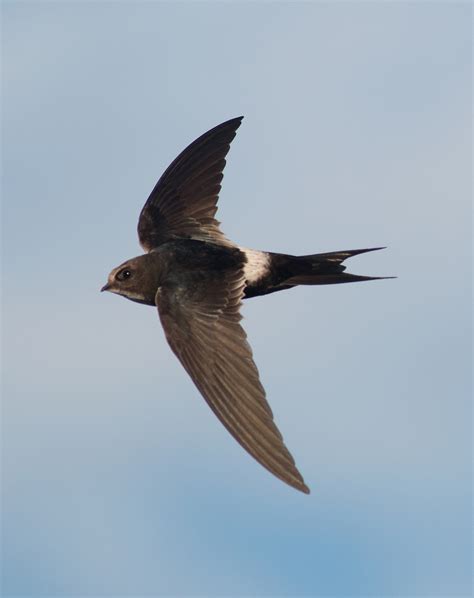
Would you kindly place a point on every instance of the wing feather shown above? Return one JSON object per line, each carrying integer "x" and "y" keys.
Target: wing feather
{"x": 183, "y": 203}
{"x": 204, "y": 331}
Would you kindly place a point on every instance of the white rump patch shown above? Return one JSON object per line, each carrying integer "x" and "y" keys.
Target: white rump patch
{"x": 257, "y": 265}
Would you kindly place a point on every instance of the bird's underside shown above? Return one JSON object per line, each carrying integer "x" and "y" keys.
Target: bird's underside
{"x": 198, "y": 278}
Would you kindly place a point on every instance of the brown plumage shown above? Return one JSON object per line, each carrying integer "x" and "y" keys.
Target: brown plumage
{"x": 197, "y": 278}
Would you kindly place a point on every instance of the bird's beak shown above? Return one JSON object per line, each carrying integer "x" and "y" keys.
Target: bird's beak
{"x": 106, "y": 287}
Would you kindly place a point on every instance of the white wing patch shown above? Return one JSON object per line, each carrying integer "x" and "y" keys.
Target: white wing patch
{"x": 257, "y": 266}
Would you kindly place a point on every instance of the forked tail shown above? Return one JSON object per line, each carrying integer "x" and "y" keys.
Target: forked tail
{"x": 326, "y": 268}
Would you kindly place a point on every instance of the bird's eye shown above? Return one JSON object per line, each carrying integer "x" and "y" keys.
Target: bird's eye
{"x": 123, "y": 274}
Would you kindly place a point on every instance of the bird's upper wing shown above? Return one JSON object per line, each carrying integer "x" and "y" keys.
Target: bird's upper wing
{"x": 202, "y": 326}
{"x": 184, "y": 200}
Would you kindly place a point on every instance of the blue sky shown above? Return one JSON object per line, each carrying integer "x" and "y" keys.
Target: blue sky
{"x": 117, "y": 479}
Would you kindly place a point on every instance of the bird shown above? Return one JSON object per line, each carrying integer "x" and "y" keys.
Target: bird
{"x": 197, "y": 279}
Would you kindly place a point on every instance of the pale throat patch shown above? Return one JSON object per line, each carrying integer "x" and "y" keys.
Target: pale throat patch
{"x": 128, "y": 294}
{"x": 257, "y": 266}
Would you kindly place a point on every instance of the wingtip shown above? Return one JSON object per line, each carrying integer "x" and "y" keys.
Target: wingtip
{"x": 232, "y": 120}
{"x": 295, "y": 484}
{"x": 298, "y": 484}
{"x": 231, "y": 123}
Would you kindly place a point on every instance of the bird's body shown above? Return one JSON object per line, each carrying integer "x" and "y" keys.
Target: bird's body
{"x": 197, "y": 278}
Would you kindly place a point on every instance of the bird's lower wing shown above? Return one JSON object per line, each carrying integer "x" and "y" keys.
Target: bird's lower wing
{"x": 203, "y": 329}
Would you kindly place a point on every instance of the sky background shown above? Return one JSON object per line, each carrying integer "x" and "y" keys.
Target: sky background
{"x": 117, "y": 478}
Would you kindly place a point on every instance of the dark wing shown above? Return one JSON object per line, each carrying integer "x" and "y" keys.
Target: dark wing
{"x": 184, "y": 200}
{"x": 202, "y": 327}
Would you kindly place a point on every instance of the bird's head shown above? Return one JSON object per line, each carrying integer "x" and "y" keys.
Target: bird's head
{"x": 135, "y": 279}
